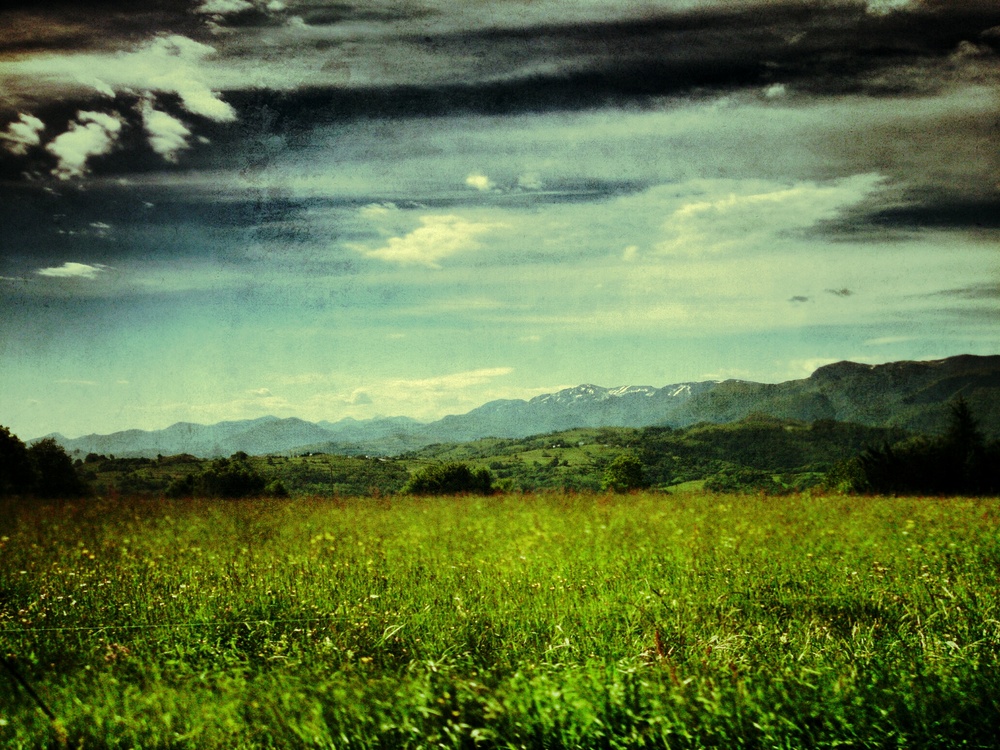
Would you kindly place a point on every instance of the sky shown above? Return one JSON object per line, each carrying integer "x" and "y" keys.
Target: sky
{"x": 224, "y": 209}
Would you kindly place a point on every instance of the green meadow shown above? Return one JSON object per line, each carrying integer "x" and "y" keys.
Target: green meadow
{"x": 556, "y": 620}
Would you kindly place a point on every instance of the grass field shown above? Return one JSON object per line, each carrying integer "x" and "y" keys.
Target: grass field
{"x": 548, "y": 621}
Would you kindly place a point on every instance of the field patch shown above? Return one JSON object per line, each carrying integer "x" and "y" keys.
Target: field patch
{"x": 561, "y": 620}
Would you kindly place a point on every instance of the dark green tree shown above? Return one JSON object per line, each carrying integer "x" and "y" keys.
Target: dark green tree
{"x": 958, "y": 463}
{"x": 16, "y": 473}
{"x": 230, "y": 477}
{"x": 55, "y": 475}
{"x": 276, "y": 488}
{"x": 181, "y": 486}
{"x": 744, "y": 479}
{"x": 450, "y": 479}
{"x": 624, "y": 474}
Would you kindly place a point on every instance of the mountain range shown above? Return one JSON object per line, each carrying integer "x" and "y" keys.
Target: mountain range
{"x": 910, "y": 395}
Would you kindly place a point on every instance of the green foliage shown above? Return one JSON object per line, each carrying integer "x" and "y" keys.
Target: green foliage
{"x": 276, "y": 489}
{"x": 958, "y": 463}
{"x": 180, "y": 487}
{"x": 339, "y": 475}
{"x": 624, "y": 474}
{"x": 16, "y": 473}
{"x": 577, "y": 459}
{"x": 742, "y": 479}
{"x": 55, "y": 475}
{"x": 557, "y": 621}
{"x": 230, "y": 478}
{"x": 450, "y": 479}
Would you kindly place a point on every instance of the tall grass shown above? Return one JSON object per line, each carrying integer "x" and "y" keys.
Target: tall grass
{"x": 553, "y": 621}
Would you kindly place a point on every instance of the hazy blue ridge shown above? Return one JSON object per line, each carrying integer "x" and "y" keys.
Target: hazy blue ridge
{"x": 909, "y": 395}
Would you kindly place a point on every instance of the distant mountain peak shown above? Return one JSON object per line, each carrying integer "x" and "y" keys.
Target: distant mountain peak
{"x": 910, "y": 395}
{"x": 630, "y": 390}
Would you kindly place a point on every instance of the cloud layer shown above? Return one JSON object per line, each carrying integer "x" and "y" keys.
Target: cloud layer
{"x": 323, "y": 209}
{"x": 70, "y": 270}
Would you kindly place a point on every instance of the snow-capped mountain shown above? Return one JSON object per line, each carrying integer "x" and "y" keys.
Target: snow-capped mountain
{"x": 912, "y": 395}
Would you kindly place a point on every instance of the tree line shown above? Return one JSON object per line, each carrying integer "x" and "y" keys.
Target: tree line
{"x": 757, "y": 455}
{"x": 42, "y": 469}
{"x": 959, "y": 462}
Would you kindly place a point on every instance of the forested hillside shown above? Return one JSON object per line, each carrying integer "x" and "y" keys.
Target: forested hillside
{"x": 758, "y": 452}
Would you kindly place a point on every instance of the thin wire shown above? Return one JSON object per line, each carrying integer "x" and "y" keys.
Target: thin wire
{"x": 23, "y": 682}
{"x": 205, "y": 624}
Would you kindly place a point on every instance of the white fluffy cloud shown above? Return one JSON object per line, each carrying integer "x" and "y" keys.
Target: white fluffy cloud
{"x": 167, "y": 64}
{"x": 168, "y": 136}
{"x": 452, "y": 381}
{"x": 91, "y": 134}
{"x": 479, "y": 182}
{"x": 71, "y": 271}
{"x": 884, "y": 7}
{"x": 22, "y": 134}
{"x": 437, "y": 237}
{"x": 740, "y": 214}
{"x": 222, "y": 7}
{"x": 174, "y": 64}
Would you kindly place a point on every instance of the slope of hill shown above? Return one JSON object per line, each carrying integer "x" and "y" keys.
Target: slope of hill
{"x": 908, "y": 395}
{"x": 756, "y": 453}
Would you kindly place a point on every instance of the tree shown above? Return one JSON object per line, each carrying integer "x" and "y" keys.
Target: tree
{"x": 744, "y": 479}
{"x": 958, "y": 463}
{"x": 276, "y": 488}
{"x": 450, "y": 479}
{"x": 180, "y": 487}
{"x": 55, "y": 475}
{"x": 624, "y": 474}
{"x": 230, "y": 477}
{"x": 16, "y": 473}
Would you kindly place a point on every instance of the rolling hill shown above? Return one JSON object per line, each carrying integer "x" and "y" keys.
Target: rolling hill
{"x": 907, "y": 395}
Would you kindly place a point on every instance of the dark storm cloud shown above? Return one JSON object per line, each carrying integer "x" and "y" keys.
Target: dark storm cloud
{"x": 796, "y": 48}
{"x": 827, "y": 49}
{"x": 924, "y": 209}
{"x": 100, "y": 25}
{"x": 801, "y": 49}
{"x": 978, "y": 292}
{"x": 942, "y": 212}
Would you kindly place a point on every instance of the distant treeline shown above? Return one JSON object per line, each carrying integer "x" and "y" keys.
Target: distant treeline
{"x": 960, "y": 462}
{"x": 759, "y": 454}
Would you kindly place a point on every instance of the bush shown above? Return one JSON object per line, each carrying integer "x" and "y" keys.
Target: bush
{"x": 181, "y": 487}
{"x": 276, "y": 489}
{"x": 55, "y": 475}
{"x": 230, "y": 477}
{"x": 624, "y": 474}
{"x": 450, "y": 479}
{"x": 744, "y": 479}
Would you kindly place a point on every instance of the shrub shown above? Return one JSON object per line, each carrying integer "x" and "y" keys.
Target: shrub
{"x": 230, "y": 477}
{"x": 450, "y": 479}
{"x": 744, "y": 479}
{"x": 181, "y": 487}
{"x": 276, "y": 489}
{"x": 624, "y": 474}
